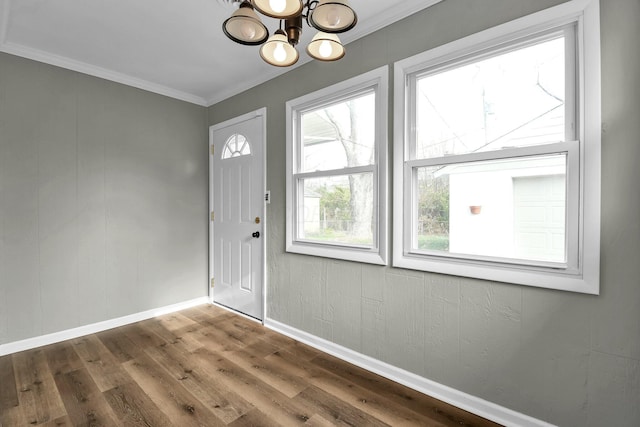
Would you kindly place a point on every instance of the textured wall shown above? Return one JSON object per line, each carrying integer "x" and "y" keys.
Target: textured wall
{"x": 569, "y": 359}
{"x": 103, "y": 200}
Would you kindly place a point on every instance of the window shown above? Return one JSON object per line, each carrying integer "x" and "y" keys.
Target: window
{"x": 497, "y": 154}
{"x": 336, "y": 170}
{"x": 236, "y": 145}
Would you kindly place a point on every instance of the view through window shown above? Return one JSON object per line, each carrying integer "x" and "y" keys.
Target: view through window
{"x": 495, "y": 206}
{"x": 337, "y": 170}
{"x": 336, "y": 206}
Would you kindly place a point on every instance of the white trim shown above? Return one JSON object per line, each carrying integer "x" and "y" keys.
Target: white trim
{"x": 364, "y": 28}
{"x": 42, "y": 340}
{"x": 239, "y": 87}
{"x": 210, "y": 147}
{"x": 103, "y": 73}
{"x": 592, "y": 130}
{"x": 239, "y": 119}
{"x": 378, "y": 79}
{"x": 263, "y": 112}
{"x": 538, "y": 22}
{"x": 395, "y": 13}
{"x": 473, "y": 404}
{"x": 584, "y": 274}
{"x": 260, "y": 112}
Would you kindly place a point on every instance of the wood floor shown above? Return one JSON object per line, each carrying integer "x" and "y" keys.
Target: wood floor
{"x": 203, "y": 367}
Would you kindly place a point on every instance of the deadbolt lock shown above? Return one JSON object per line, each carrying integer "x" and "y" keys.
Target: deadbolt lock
{"x": 257, "y": 220}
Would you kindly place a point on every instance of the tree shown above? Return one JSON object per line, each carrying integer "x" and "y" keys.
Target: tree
{"x": 345, "y": 125}
{"x": 335, "y": 206}
{"x": 433, "y": 204}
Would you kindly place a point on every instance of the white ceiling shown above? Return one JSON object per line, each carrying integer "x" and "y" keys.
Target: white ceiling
{"x": 172, "y": 47}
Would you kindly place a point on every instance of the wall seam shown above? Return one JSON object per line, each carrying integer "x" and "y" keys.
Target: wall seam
{"x": 38, "y": 241}
{"x": 614, "y": 355}
{"x": 77, "y": 210}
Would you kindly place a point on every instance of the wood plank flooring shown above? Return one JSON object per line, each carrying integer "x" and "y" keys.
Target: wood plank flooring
{"x": 204, "y": 367}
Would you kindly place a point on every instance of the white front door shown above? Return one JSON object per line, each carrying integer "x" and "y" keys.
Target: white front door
{"x": 237, "y": 198}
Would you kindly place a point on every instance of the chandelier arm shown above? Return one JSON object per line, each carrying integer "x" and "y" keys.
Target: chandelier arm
{"x": 310, "y": 6}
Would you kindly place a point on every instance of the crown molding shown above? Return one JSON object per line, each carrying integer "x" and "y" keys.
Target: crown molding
{"x": 82, "y": 67}
{"x": 103, "y": 73}
{"x": 391, "y": 15}
{"x": 240, "y": 87}
{"x": 363, "y": 29}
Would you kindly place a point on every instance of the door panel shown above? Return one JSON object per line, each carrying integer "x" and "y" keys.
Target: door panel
{"x": 237, "y": 185}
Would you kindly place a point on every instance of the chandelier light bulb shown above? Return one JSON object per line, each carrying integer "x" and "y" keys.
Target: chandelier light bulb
{"x": 277, "y": 50}
{"x": 325, "y": 49}
{"x": 248, "y": 31}
{"x": 279, "y": 9}
{"x": 244, "y": 26}
{"x": 278, "y": 5}
{"x": 279, "y": 54}
{"x": 333, "y": 16}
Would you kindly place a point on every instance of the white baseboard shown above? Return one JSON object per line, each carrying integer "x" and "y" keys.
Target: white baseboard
{"x": 29, "y": 343}
{"x": 475, "y": 405}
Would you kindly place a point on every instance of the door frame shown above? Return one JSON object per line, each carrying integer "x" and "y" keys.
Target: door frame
{"x": 261, "y": 112}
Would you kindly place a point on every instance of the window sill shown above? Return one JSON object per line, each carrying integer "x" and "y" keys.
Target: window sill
{"x": 372, "y": 256}
{"x": 538, "y": 277}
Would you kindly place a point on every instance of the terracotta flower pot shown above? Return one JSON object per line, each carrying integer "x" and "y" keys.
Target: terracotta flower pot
{"x": 475, "y": 210}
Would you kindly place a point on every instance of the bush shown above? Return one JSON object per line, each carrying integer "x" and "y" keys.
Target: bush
{"x": 434, "y": 242}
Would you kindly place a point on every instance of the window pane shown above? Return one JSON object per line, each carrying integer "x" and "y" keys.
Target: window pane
{"x": 515, "y": 99}
{"x": 337, "y": 209}
{"x": 339, "y": 135}
{"x": 236, "y": 145}
{"x": 513, "y": 208}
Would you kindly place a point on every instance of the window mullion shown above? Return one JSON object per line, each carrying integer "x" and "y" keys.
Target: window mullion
{"x": 535, "y": 150}
{"x": 336, "y": 172}
{"x": 571, "y": 83}
{"x": 409, "y": 202}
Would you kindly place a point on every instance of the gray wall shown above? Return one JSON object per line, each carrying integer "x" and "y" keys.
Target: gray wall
{"x": 103, "y": 200}
{"x": 565, "y": 358}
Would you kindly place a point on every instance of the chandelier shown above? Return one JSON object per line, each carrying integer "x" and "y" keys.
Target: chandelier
{"x": 329, "y": 17}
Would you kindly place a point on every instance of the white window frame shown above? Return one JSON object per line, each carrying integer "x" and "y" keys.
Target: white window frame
{"x": 376, "y": 80}
{"x": 581, "y": 273}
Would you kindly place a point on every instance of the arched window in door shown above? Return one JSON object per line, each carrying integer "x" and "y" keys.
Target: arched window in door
{"x": 237, "y": 145}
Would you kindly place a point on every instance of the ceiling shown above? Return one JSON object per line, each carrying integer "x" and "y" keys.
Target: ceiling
{"x": 172, "y": 47}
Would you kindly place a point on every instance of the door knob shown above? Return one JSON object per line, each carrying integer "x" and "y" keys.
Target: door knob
{"x": 256, "y": 234}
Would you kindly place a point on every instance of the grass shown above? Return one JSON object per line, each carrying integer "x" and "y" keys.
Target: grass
{"x": 434, "y": 242}
{"x": 338, "y": 236}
